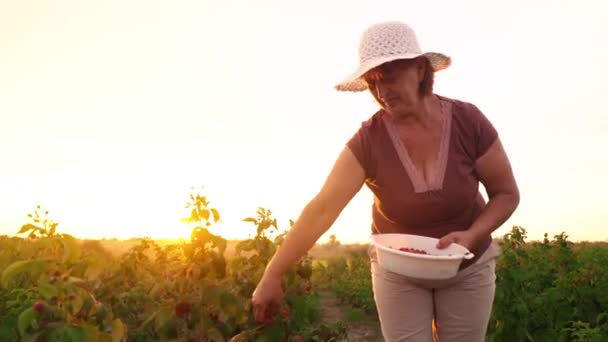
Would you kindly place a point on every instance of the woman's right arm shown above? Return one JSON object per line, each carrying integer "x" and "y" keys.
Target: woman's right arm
{"x": 343, "y": 182}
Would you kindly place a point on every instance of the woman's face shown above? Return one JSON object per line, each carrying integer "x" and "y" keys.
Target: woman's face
{"x": 396, "y": 85}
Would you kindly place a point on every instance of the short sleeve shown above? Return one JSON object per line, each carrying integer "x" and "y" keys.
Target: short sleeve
{"x": 485, "y": 132}
{"x": 360, "y": 145}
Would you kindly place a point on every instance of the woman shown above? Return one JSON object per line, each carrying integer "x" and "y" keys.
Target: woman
{"x": 423, "y": 156}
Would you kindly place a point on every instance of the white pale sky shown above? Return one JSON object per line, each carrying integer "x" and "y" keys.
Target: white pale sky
{"x": 111, "y": 110}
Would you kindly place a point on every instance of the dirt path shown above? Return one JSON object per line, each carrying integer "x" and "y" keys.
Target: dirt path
{"x": 366, "y": 329}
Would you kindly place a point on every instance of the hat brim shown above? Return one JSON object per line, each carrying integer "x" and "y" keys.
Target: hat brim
{"x": 355, "y": 83}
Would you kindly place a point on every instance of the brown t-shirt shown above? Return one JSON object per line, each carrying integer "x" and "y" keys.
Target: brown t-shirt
{"x": 403, "y": 201}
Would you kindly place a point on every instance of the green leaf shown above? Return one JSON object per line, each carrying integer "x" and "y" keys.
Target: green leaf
{"x": 7, "y": 334}
{"x": 77, "y": 303}
{"x": 216, "y": 214}
{"x": 212, "y": 295}
{"x": 205, "y": 214}
{"x": 200, "y": 234}
{"x": 76, "y": 334}
{"x": 230, "y": 305}
{"x": 31, "y": 338}
{"x": 274, "y": 332}
{"x": 47, "y": 290}
{"x": 26, "y": 228}
{"x": 118, "y": 330}
{"x": 18, "y": 267}
{"x": 163, "y": 316}
{"x": 193, "y": 216}
{"x": 156, "y": 289}
{"x": 264, "y": 225}
{"x": 25, "y": 320}
{"x": 91, "y": 333}
{"x": 71, "y": 248}
{"x": 88, "y": 303}
{"x": 215, "y": 335}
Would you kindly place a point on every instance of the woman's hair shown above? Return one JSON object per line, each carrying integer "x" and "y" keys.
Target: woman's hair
{"x": 426, "y": 86}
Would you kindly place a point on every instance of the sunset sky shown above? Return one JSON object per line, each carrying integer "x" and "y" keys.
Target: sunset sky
{"x": 112, "y": 110}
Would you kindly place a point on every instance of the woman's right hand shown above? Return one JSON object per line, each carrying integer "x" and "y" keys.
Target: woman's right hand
{"x": 344, "y": 181}
{"x": 267, "y": 298}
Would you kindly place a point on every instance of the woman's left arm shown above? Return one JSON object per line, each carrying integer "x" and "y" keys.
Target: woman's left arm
{"x": 495, "y": 173}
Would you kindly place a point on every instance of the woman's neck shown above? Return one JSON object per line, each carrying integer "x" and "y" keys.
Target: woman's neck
{"x": 422, "y": 113}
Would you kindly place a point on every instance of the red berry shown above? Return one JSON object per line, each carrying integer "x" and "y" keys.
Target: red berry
{"x": 285, "y": 312}
{"x": 39, "y": 306}
{"x": 412, "y": 250}
{"x": 182, "y": 309}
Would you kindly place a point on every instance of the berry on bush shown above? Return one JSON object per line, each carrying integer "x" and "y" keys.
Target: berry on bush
{"x": 39, "y": 306}
{"x": 182, "y": 309}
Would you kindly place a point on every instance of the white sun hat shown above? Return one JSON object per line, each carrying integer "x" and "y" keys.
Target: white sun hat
{"x": 385, "y": 42}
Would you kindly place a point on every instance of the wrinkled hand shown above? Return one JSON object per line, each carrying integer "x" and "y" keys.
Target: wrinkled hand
{"x": 266, "y": 299}
{"x": 465, "y": 238}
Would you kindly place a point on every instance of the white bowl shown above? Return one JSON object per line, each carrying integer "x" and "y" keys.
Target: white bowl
{"x": 437, "y": 264}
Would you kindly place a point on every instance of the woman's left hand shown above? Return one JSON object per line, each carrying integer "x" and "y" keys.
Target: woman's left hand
{"x": 465, "y": 238}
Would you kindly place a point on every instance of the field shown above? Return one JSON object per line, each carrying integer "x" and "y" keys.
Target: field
{"x": 54, "y": 287}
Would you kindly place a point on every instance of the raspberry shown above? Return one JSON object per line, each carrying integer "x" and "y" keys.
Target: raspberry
{"x": 182, "y": 309}
{"x": 39, "y": 306}
{"x": 412, "y": 250}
